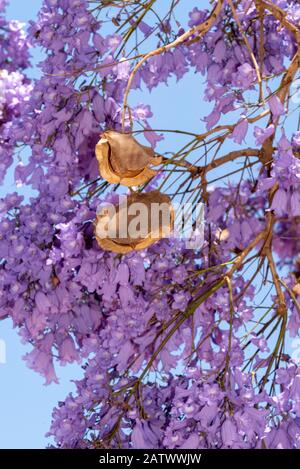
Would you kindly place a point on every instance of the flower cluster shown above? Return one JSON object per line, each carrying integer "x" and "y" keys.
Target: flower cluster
{"x": 176, "y": 342}
{"x": 14, "y": 87}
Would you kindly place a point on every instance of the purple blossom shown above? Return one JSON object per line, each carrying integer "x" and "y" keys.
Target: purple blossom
{"x": 229, "y": 433}
{"x": 167, "y": 308}
{"x": 296, "y": 140}
{"x": 280, "y": 202}
{"x": 261, "y": 135}
{"x": 197, "y": 17}
{"x": 240, "y": 131}
{"x": 276, "y": 106}
{"x": 67, "y": 351}
{"x": 245, "y": 76}
{"x": 295, "y": 204}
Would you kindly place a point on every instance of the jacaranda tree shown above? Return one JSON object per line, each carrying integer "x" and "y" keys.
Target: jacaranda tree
{"x": 181, "y": 347}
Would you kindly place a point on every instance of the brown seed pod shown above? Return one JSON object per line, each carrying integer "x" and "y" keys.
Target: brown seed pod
{"x": 123, "y": 160}
{"x": 135, "y": 223}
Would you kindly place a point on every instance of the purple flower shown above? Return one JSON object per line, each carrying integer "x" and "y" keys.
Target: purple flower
{"x": 240, "y": 131}
{"x": 280, "y": 202}
{"x": 295, "y": 204}
{"x": 212, "y": 119}
{"x": 122, "y": 275}
{"x": 296, "y": 140}
{"x": 145, "y": 28}
{"x": 123, "y": 70}
{"x": 276, "y": 106}
{"x": 261, "y": 135}
{"x": 180, "y": 301}
{"x": 261, "y": 343}
{"x": 278, "y": 439}
{"x": 41, "y": 361}
{"x": 220, "y": 51}
{"x": 143, "y": 436}
{"x": 283, "y": 376}
{"x": 197, "y": 17}
{"x": 229, "y": 433}
{"x": 245, "y": 76}
{"x": 266, "y": 183}
{"x": 152, "y": 137}
{"x": 192, "y": 442}
{"x": 67, "y": 351}
{"x": 295, "y": 391}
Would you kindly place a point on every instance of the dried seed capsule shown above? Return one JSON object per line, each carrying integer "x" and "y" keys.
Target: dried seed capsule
{"x": 138, "y": 221}
{"x": 123, "y": 160}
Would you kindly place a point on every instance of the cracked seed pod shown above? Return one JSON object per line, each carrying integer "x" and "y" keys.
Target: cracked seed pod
{"x": 136, "y": 223}
{"x": 123, "y": 160}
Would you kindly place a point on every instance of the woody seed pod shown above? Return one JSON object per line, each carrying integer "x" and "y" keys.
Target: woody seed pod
{"x": 136, "y": 223}
{"x": 123, "y": 160}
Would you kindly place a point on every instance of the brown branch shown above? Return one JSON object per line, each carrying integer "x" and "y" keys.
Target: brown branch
{"x": 282, "y": 308}
{"x": 194, "y": 169}
{"x": 232, "y": 156}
